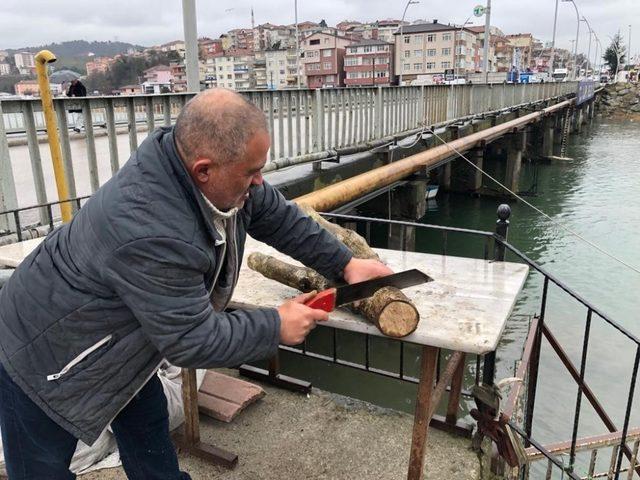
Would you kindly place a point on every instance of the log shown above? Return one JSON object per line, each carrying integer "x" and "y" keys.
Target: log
{"x": 388, "y": 309}
{"x": 351, "y": 239}
{"x": 301, "y": 278}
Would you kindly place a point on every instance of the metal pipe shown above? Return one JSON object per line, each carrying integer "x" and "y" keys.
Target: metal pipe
{"x": 487, "y": 39}
{"x": 42, "y": 59}
{"x": 333, "y": 196}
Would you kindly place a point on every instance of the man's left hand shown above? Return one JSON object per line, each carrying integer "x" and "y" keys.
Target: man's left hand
{"x": 359, "y": 270}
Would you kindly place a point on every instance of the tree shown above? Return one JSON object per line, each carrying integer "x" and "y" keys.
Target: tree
{"x": 614, "y": 54}
{"x": 323, "y": 23}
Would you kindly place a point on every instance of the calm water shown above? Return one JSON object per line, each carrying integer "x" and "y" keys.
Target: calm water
{"x": 597, "y": 195}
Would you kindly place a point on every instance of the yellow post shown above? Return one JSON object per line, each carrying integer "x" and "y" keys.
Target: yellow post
{"x": 42, "y": 59}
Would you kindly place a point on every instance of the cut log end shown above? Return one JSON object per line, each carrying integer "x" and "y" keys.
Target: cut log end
{"x": 391, "y": 311}
{"x": 398, "y": 319}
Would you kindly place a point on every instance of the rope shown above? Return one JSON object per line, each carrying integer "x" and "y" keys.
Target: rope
{"x": 555, "y": 222}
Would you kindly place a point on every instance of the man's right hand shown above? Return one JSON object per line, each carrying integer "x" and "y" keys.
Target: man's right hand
{"x": 297, "y": 320}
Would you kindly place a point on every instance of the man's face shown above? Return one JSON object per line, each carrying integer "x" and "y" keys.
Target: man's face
{"x": 227, "y": 186}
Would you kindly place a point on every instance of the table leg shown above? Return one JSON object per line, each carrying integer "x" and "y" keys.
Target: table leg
{"x": 189, "y": 439}
{"x": 455, "y": 393}
{"x": 422, "y": 414}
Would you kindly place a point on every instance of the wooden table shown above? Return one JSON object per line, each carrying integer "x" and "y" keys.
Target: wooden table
{"x": 464, "y": 309}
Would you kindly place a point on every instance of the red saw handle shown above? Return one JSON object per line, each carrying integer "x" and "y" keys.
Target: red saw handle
{"x": 325, "y": 300}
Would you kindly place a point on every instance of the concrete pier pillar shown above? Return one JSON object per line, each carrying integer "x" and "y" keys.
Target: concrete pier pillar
{"x": 408, "y": 203}
{"x": 515, "y": 147}
{"x": 465, "y": 178}
{"x": 558, "y": 128}
{"x": 577, "y": 120}
{"x": 547, "y": 137}
{"x": 445, "y": 178}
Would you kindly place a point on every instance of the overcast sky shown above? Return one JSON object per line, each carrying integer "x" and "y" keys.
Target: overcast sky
{"x": 148, "y": 22}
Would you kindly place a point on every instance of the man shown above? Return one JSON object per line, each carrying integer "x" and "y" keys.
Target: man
{"x": 143, "y": 273}
{"x": 76, "y": 89}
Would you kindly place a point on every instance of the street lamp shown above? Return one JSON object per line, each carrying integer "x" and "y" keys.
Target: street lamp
{"x": 295, "y": 7}
{"x": 589, "y": 49}
{"x": 409, "y": 2}
{"x": 553, "y": 42}
{"x": 575, "y": 63}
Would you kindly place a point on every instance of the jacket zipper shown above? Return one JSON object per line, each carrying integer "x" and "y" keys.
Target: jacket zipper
{"x": 237, "y": 269}
{"x": 78, "y": 359}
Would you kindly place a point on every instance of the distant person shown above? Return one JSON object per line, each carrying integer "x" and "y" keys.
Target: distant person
{"x": 76, "y": 89}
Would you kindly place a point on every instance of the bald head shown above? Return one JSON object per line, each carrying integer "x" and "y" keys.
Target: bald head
{"x": 217, "y": 124}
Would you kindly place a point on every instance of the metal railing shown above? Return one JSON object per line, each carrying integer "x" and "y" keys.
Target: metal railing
{"x": 623, "y": 441}
{"x": 301, "y": 123}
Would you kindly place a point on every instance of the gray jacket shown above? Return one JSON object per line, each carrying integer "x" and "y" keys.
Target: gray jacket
{"x": 87, "y": 318}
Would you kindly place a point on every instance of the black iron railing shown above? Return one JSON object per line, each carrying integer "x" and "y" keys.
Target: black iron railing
{"x": 486, "y": 364}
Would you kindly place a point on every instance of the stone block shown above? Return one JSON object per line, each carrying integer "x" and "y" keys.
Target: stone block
{"x": 223, "y": 397}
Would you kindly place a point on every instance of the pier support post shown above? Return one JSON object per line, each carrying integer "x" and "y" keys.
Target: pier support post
{"x": 547, "y": 137}
{"x": 515, "y": 146}
{"x": 408, "y": 203}
{"x": 558, "y": 121}
{"x": 577, "y": 120}
{"x": 465, "y": 178}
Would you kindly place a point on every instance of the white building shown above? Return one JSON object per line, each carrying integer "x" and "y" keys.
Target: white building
{"x": 25, "y": 62}
{"x": 5, "y": 69}
{"x": 235, "y": 71}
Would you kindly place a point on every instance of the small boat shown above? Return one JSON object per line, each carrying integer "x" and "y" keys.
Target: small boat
{"x": 432, "y": 191}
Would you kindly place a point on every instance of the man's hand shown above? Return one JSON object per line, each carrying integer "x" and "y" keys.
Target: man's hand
{"x": 359, "y": 270}
{"x": 297, "y": 320}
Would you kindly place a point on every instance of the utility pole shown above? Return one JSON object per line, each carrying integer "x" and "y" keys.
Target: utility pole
{"x": 629, "y": 58}
{"x": 191, "y": 44}
{"x": 553, "y": 41}
{"x": 295, "y": 6}
{"x": 487, "y": 40}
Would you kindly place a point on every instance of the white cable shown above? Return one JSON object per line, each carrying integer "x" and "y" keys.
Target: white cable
{"x": 557, "y": 223}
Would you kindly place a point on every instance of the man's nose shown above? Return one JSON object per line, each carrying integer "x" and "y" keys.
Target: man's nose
{"x": 257, "y": 179}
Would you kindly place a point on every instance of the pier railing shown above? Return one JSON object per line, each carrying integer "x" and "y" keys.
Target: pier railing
{"x": 303, "y": 124}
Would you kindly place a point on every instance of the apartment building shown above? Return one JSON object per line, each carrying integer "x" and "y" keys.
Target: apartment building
{"x": 522, "y": 44}
{"x": 158, "y": 79}
{"x": 368, "y": 62}
{"x": 99, "y": 65}
{"x": 25, "y": 63}
{"x": 274, "y": 37}
{"x": 387, "y": 28}
{"x": 209, "y": 47}
{"x": 241, "y": 39}
{"x": 5, "y": 69}
{"x": 175, "y": 46}
{"x": 494, "y": 34}
{"x": 503, "y": 54}
{"x": 235, "y": 70}
{"x": 427, "y": 50}
{"x": 323, "y": 59}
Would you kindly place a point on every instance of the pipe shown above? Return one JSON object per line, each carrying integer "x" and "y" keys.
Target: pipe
{"x": 42, "y": 59}
{"x": 338, "y": 194}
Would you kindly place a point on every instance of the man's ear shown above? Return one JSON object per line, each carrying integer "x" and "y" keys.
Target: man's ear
{"x": 201, "y": 170}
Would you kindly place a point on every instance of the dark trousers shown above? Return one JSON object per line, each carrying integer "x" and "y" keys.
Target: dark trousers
{"x": 35, "y": 447}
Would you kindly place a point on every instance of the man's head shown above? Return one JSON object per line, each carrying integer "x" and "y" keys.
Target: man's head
{"x": 223, "y": 141}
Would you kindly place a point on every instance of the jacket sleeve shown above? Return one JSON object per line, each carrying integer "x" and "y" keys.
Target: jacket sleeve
{"x": 162, "y": 282}
{"x": 281, "y": 224}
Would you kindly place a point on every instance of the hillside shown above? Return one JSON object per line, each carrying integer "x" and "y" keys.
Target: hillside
{"x": 74, "y": 54}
